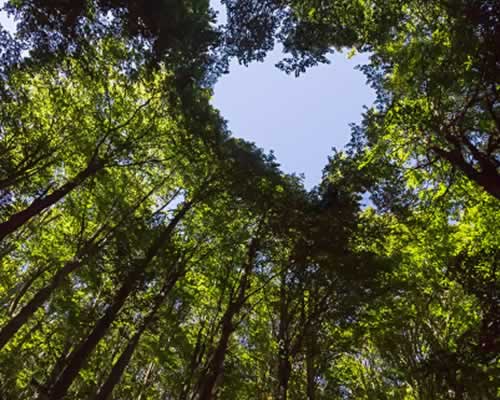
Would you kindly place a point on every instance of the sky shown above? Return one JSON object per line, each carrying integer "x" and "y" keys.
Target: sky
{"x": 300, "y": 119}
{"x": 6, "y": 22}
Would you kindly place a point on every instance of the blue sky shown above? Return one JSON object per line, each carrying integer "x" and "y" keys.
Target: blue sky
{"x": 300, "y": 119}
{"x": 4, "y": 21}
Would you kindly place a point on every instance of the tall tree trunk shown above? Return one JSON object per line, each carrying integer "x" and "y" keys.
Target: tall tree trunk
{"x": 15, "y": 323}
{"x": 215, "y": 367}
{"x": 77, "y": 359}
{"x": 284, "y": 377}
{"x": 9, "y": 330}
{"x": 208, "y": 385}
{"x": 19, "y": 219}
{"x": 59, "y": 364}
{"x": 119, "y": 367}
{"x": 90, "y": 247}
{"x": 284, "y": 365}
{"x": 488, "y": 179}
{"x": 310, "y": 364}
{"x": 196, "y": 357}
{"x": 121, "y": 364}
{"x": 24, "y": 289}
{"x": 25, "y": 172}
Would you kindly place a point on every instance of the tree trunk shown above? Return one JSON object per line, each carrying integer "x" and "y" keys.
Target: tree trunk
{"x": 284, "y": 377}
{"x": 209, "y": 381}
{"x": 59, "y": 364}
{"x": 310, "y": 364}
{"x": 284, "y": 366}
{"x": 196, "y": 357}
{"x": 208, "y": 386}
{"x": 119, "y": 368}
{"x": 19, "y": 219}
{"x": 124, "y": 359}
{"x": 77, "y": 359}
{"x": 9, "y": 330}
{"x": 24, "y": 289}
{"x": 488, "y": 179}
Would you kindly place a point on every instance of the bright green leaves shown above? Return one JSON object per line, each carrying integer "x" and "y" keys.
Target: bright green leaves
{"x": 275, "y": 292}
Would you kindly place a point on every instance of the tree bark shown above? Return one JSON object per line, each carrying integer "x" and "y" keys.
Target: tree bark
{"x": 284, "y": 377}
{"x": 310, "y": 364}
{"x": 121, "y": 364}
{"x": 194, "y": 363}
{"x": 209, "y": 381}
{"x": 119, "y": 367}
{"x": 19, "y": 219}
{"x": 9, "y": 330}
{"x": 488, "y": 179}
{"x": 78, "y": 357}
{"x": 208, "y": 386}
{"x": 284, "y": 365}
{"x": 15, "y": 323}
{"x": 24, "y": 289}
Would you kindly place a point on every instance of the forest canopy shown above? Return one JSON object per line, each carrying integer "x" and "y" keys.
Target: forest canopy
{"x": 146, "y": 253}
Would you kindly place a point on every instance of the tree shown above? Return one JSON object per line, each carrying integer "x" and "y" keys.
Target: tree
{"x": 434, "y": 66}
{"x": 179, "y": 34}
{"x": 146, "y": 253}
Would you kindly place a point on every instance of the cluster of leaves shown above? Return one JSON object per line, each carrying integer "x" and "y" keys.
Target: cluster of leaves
{"x": 435, "y": 66}
{"x": 146, "y": 254}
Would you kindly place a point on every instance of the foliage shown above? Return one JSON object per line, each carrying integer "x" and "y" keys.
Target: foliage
{"x": 434, "y": 65}
{"x": 146, "y": 253}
